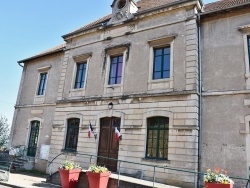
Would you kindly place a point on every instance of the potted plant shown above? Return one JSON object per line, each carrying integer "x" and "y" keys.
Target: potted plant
{"x": 218, "y": 179}
{"x": 69, "y": 174}
{"x": 98, "y": 176}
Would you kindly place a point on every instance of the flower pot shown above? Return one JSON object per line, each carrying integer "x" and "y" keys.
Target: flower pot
{"x": 98, "y": 180}
{"x": 218, "y": 185}
{"x": 69, "y": 178}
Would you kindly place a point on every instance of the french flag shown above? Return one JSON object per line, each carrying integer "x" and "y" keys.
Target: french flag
{"x": 90, "y": 132}
{"x": 117, "y": 134}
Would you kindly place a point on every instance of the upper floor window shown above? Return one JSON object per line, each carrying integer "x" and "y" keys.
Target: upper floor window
{"x": 42, "y": 84}
{"x": 161, "y": 68}
{"x": 80, "y": 75}
{"x": 248, "y": 42}
{"x": 72, "y": 134}
{"x": 115, "y": 74}
{"x": 157, "y": 138}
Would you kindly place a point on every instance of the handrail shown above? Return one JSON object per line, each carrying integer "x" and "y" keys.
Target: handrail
{"x": 143, "y": 164}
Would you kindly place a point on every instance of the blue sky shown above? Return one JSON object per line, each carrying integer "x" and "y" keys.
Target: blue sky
{"x": 28, "y": 27}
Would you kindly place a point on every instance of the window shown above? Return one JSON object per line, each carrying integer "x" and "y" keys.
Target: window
{"x": 42, "y": 84}
{"x": 157, "y": 138}
{"x": 34, "y": 132}
{"x": 72, "y": 134}
{"x": 80, "y": 75}
{"x": 248, "y": 42}
{"x": 161, "y": 67}
{"x": 115, "y": 74}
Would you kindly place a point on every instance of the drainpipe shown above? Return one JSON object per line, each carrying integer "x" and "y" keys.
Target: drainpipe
{"x": 19, "y": 63}
{"x": 199, "y": 176}
{"x": 14, "y": 120}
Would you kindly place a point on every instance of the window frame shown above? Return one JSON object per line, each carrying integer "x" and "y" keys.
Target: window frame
{"x": 34, "y": 125}
{"x": 164, "y": 84}
{"x": 82, "y": 73}
{"x": 245, "y": 30}
{"x": 162, "y": 62}
{"x": 78, "y": 59}
{"x": 248, "y": 45}
{"x": 117, "y": 62}
{"x": 158, "y": 135}
{"x": 41, "y": 92}
{"x": 113, "y": 52}
{"x": 68, "y": 146}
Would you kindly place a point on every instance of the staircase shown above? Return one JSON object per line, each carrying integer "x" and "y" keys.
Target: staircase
{"x": 18, "y": 164}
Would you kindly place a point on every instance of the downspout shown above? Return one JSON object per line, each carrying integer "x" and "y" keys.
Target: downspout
{"x": 200, "y": 139}
{"x": 14, "y": 119}
{"x": 19, "y": 63}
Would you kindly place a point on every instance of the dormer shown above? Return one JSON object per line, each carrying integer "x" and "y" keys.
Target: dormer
{"x": 122, "y": 10}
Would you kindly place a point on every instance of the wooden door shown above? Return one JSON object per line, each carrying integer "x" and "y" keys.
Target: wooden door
{"x": 108, "y": 146}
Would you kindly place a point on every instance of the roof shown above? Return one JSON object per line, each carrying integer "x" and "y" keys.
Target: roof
{"x": 47, "y": 52}
{"x": 141, "y": 4}
{"x": 144, "y": 5}
{"x": 148, "y": 4}
{"x": 223, "y": 4}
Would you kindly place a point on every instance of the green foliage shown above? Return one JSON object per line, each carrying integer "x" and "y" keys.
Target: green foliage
{"x": 69, "y": 165}
{"x": 4, "y": 132}
{"x": 97, "y": 169}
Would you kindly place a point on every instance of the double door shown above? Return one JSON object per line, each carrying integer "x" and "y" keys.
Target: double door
{"x": 108, "y": 145}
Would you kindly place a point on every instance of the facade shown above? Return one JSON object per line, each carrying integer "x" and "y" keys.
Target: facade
{"x": 138, "y": 70}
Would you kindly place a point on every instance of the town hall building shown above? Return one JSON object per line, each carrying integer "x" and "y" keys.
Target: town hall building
{"x": 172, "y": 76}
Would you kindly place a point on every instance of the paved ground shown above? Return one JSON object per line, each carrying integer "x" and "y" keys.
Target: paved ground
{"x": 26, "y": 181}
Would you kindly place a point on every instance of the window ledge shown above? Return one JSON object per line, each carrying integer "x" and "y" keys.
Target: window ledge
{"x": 39, "y": 96}
{"x": 77, "y": 93}
{"x": 77, "y": 89}
{"x": 114, "y": 85}
{"x": 156, "y": 160}
{"x": 247, "y": 75}
{"x": 69, "y": 152}
{"x": 160, "y": 80}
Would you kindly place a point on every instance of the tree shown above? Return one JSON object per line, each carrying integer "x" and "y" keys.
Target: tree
{"x": 4, "y": 131}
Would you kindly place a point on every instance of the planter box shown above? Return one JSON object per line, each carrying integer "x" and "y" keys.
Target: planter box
{"x": 218, "y": 185}
{"x": 98, "y": 180}
{"x": 69, "y": 178}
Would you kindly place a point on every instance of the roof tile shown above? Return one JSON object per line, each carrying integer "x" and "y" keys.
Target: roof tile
{"x": 222, "y": 4}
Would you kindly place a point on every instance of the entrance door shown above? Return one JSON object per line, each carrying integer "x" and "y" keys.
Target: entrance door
{"x": 34, "y": 132}
{"x": 108, "y": 146}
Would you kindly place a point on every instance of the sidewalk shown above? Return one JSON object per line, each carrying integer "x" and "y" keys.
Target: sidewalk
{"x": 26, "y": 181}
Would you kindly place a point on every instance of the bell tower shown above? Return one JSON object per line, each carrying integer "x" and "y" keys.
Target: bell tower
{"x": 122, "y": 10}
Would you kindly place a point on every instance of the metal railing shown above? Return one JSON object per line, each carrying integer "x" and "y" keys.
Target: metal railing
{"x": 147, "y": 165}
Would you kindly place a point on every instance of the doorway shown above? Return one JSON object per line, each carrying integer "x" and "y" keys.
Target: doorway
{"x": 34, "y": 132}
{"x": 108, "y": 145}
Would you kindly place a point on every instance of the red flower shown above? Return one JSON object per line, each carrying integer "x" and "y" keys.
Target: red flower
{"x": 217, "y": 170}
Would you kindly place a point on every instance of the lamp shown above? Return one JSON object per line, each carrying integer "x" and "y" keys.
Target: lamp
{"x": 110, "y": 106}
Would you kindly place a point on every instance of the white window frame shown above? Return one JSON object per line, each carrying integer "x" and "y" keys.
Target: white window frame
{"x": 116, "y": 89}
{"x": 165, "y": 84}
{"x": 79, "y": 92}
{"x": 245, "y": 30}
{"x": 39, "y": 99}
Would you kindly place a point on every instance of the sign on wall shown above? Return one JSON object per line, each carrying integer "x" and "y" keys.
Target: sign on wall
{"x": 44, "y": 153}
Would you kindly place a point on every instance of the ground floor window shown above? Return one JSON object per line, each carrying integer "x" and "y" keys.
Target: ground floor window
{"x": 72, "y": 134}
{"x": 157, "y": 138}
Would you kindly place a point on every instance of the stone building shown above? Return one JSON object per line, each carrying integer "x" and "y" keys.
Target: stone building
{"x": 138, "y": 70}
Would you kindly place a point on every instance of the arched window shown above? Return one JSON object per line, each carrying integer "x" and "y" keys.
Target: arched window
{"x": 157, "y": 138}
{"x": 34, "y": 133}
{"x": 72, "y": 134}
